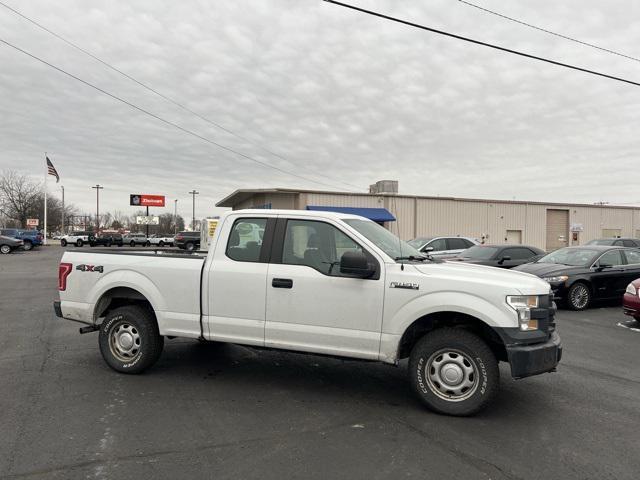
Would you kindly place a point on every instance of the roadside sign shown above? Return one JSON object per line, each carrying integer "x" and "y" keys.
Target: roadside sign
{"x": 144, "y": 200}
{"x": 212, "y": 227}
{"x": 147, "y": 220}
{"x": 33, "y": 222}
{"x": 577, "y": 227}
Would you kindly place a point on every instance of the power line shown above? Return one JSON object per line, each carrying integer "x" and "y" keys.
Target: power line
{"x": 484, "y": 44}
{"x": 566, "y": 37}
{"x": 156, "y": 92}
{"x": 161, "y": 119}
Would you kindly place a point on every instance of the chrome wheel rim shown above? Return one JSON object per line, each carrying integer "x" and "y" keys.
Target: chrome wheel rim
{"x": 452, "y": 375}
{"x": 579, "y": 296}
{"x": 5, "y": 249}
{"x": 125, "y": 342}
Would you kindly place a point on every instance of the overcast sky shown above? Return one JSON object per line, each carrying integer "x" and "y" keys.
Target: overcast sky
{"x": 340, "y": 96}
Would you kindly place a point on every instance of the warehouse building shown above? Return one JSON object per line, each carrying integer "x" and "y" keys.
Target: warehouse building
{"x": 545, "y": 225}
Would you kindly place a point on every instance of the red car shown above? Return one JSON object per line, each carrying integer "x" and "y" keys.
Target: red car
{"x": 631, "y": 300}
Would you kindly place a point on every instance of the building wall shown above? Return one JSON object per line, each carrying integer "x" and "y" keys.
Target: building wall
{"x": 472, "y": 218}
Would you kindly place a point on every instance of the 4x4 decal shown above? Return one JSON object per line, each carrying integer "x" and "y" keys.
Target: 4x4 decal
{"x": 90, "y": 268}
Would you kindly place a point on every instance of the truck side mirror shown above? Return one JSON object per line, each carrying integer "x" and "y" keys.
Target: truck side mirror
{"x": 427, "y": 249}
{"x": 503, "y": 259}
{"x": 355, "y": 263}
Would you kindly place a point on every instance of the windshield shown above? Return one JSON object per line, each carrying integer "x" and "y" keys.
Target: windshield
{"x": 383, "y": 239}
{"x": 479, "y": 252}
{"x": 418, "y": 242}
{"x": 574, "y": 257}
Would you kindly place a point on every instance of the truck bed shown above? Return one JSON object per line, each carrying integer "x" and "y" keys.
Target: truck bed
{"x": 170, "y": 281}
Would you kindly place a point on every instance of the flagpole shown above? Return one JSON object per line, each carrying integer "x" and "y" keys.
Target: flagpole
{"x": 46, "y": 174}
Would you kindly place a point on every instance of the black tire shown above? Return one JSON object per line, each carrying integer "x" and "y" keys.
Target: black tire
{"x": 467, "y": 356}
{"x": 190, "y": 246}
{"x": 63, "y": 242}
{"x": 79, "y": 243}
{"x": 137, "y": 327}
{"x": 579, "y": 296}
{"x": 132, "y": 243}
{"x": 5, "y": 249}
{"x": 27, "y": 245}
{"x": 161, "y": 243}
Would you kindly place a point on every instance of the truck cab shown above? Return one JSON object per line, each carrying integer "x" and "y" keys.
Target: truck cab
{"x": 324, "y": 283}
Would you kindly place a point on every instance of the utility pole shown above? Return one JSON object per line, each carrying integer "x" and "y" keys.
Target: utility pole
{"x": 194, "y": 193}
{"x": 62, "y": 187}
{"x": 98, "y": 188}
{"x": 175, "y": 216}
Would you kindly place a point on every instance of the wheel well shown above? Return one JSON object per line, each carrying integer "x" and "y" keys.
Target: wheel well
{"x": 587, "y": 283}
{"x": 437, "y": 320}
{"x": 119, "y": 297}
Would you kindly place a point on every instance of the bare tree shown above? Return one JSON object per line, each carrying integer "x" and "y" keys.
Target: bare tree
{"x": 19, "y": 196}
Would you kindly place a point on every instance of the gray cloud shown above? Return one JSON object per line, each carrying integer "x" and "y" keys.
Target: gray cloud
{"x": 334, "y": 92}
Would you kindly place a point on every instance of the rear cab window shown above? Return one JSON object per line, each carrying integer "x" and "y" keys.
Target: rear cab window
{"x": 245, "y": 242}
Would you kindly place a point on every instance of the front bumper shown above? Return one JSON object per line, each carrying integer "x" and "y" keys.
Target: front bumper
{"x": 528, "y": 360}
{"x": 631, "y": 305}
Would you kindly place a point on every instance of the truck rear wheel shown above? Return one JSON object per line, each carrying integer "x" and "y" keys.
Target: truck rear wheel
{"x": 129, "y": 339}
{"x": 454, "y": 372}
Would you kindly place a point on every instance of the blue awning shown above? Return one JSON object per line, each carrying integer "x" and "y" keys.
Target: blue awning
{"x": 375, "y": 214}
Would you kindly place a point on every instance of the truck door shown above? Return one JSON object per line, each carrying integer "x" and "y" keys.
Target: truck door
{"x": 237, "y": 281}
{"x": 311, "y": 306}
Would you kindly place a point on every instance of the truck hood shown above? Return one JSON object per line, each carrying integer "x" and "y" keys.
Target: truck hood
{"x": 524, "y": 283}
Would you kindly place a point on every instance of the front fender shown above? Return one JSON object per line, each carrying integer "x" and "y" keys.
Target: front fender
{"x": 459, "y": 302}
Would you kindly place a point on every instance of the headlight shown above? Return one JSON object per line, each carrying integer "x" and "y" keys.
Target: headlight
{"x": 632, "y": 289}
{"x": 558, "y": 279}
{"x": 523, "y": 304}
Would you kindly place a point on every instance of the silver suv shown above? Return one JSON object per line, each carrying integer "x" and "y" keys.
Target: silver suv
{"x": 134, "y": 239}
{"x": 442, "y": 247}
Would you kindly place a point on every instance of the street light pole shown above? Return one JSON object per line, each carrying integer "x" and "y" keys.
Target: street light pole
{"x": 175, "y": 216}
{"x": 62, "y": 187}
{"x": 194, "y": 193}
{"x": 98, "y": 188}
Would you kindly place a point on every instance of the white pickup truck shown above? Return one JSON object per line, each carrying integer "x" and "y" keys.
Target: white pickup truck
{"x": 319, "y": 282}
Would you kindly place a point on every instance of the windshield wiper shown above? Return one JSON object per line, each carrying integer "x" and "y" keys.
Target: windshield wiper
{"x": 412, "y": 258}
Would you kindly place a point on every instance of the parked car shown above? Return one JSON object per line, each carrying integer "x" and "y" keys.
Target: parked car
{"x": 442, "y": 247}
{"x": 187, "y": 240}
{"x": 160, "y": 240}
{"x": 30, "y": 238}
{"x": 9, "y": 244}
{"x": 325, "y": 283}
{"x": 75, "y": 238}
{"x": 631, "y": 300}
{"x": 616, "y": 242}
{"x": 132, "y": 239}
{"x": 580, "y": 275}
{"x": 504, "y": 256}
{"x": 106, "y": 239}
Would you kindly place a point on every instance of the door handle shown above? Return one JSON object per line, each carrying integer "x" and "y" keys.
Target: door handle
{"x": 282, "y": 283}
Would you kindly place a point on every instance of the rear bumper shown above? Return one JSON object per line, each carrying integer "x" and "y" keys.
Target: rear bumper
{"x": 57, "y": 308}
{"x": 528, "y": 360}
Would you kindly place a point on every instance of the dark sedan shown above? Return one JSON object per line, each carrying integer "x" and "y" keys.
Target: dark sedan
{"x": 580, "y": 275}
{"x": 8, "y": 244}
{"x": 106, "y": 239}
{"x": 616, "y": 242}
{"x": 187, "y": 240}
{"x": 504, "y": 256}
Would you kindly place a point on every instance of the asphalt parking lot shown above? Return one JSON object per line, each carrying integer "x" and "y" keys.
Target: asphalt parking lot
{"x": 223, "y": 411}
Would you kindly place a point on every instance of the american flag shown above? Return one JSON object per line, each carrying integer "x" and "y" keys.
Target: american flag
{"x": 52, "y": 170}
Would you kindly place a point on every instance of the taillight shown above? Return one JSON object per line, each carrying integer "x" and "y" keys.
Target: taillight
{"x": 64, "y": 269}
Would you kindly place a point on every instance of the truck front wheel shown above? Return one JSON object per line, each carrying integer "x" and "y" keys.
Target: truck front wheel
{"x": 129, "y": 339}
{"x": 454, "y": 372}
